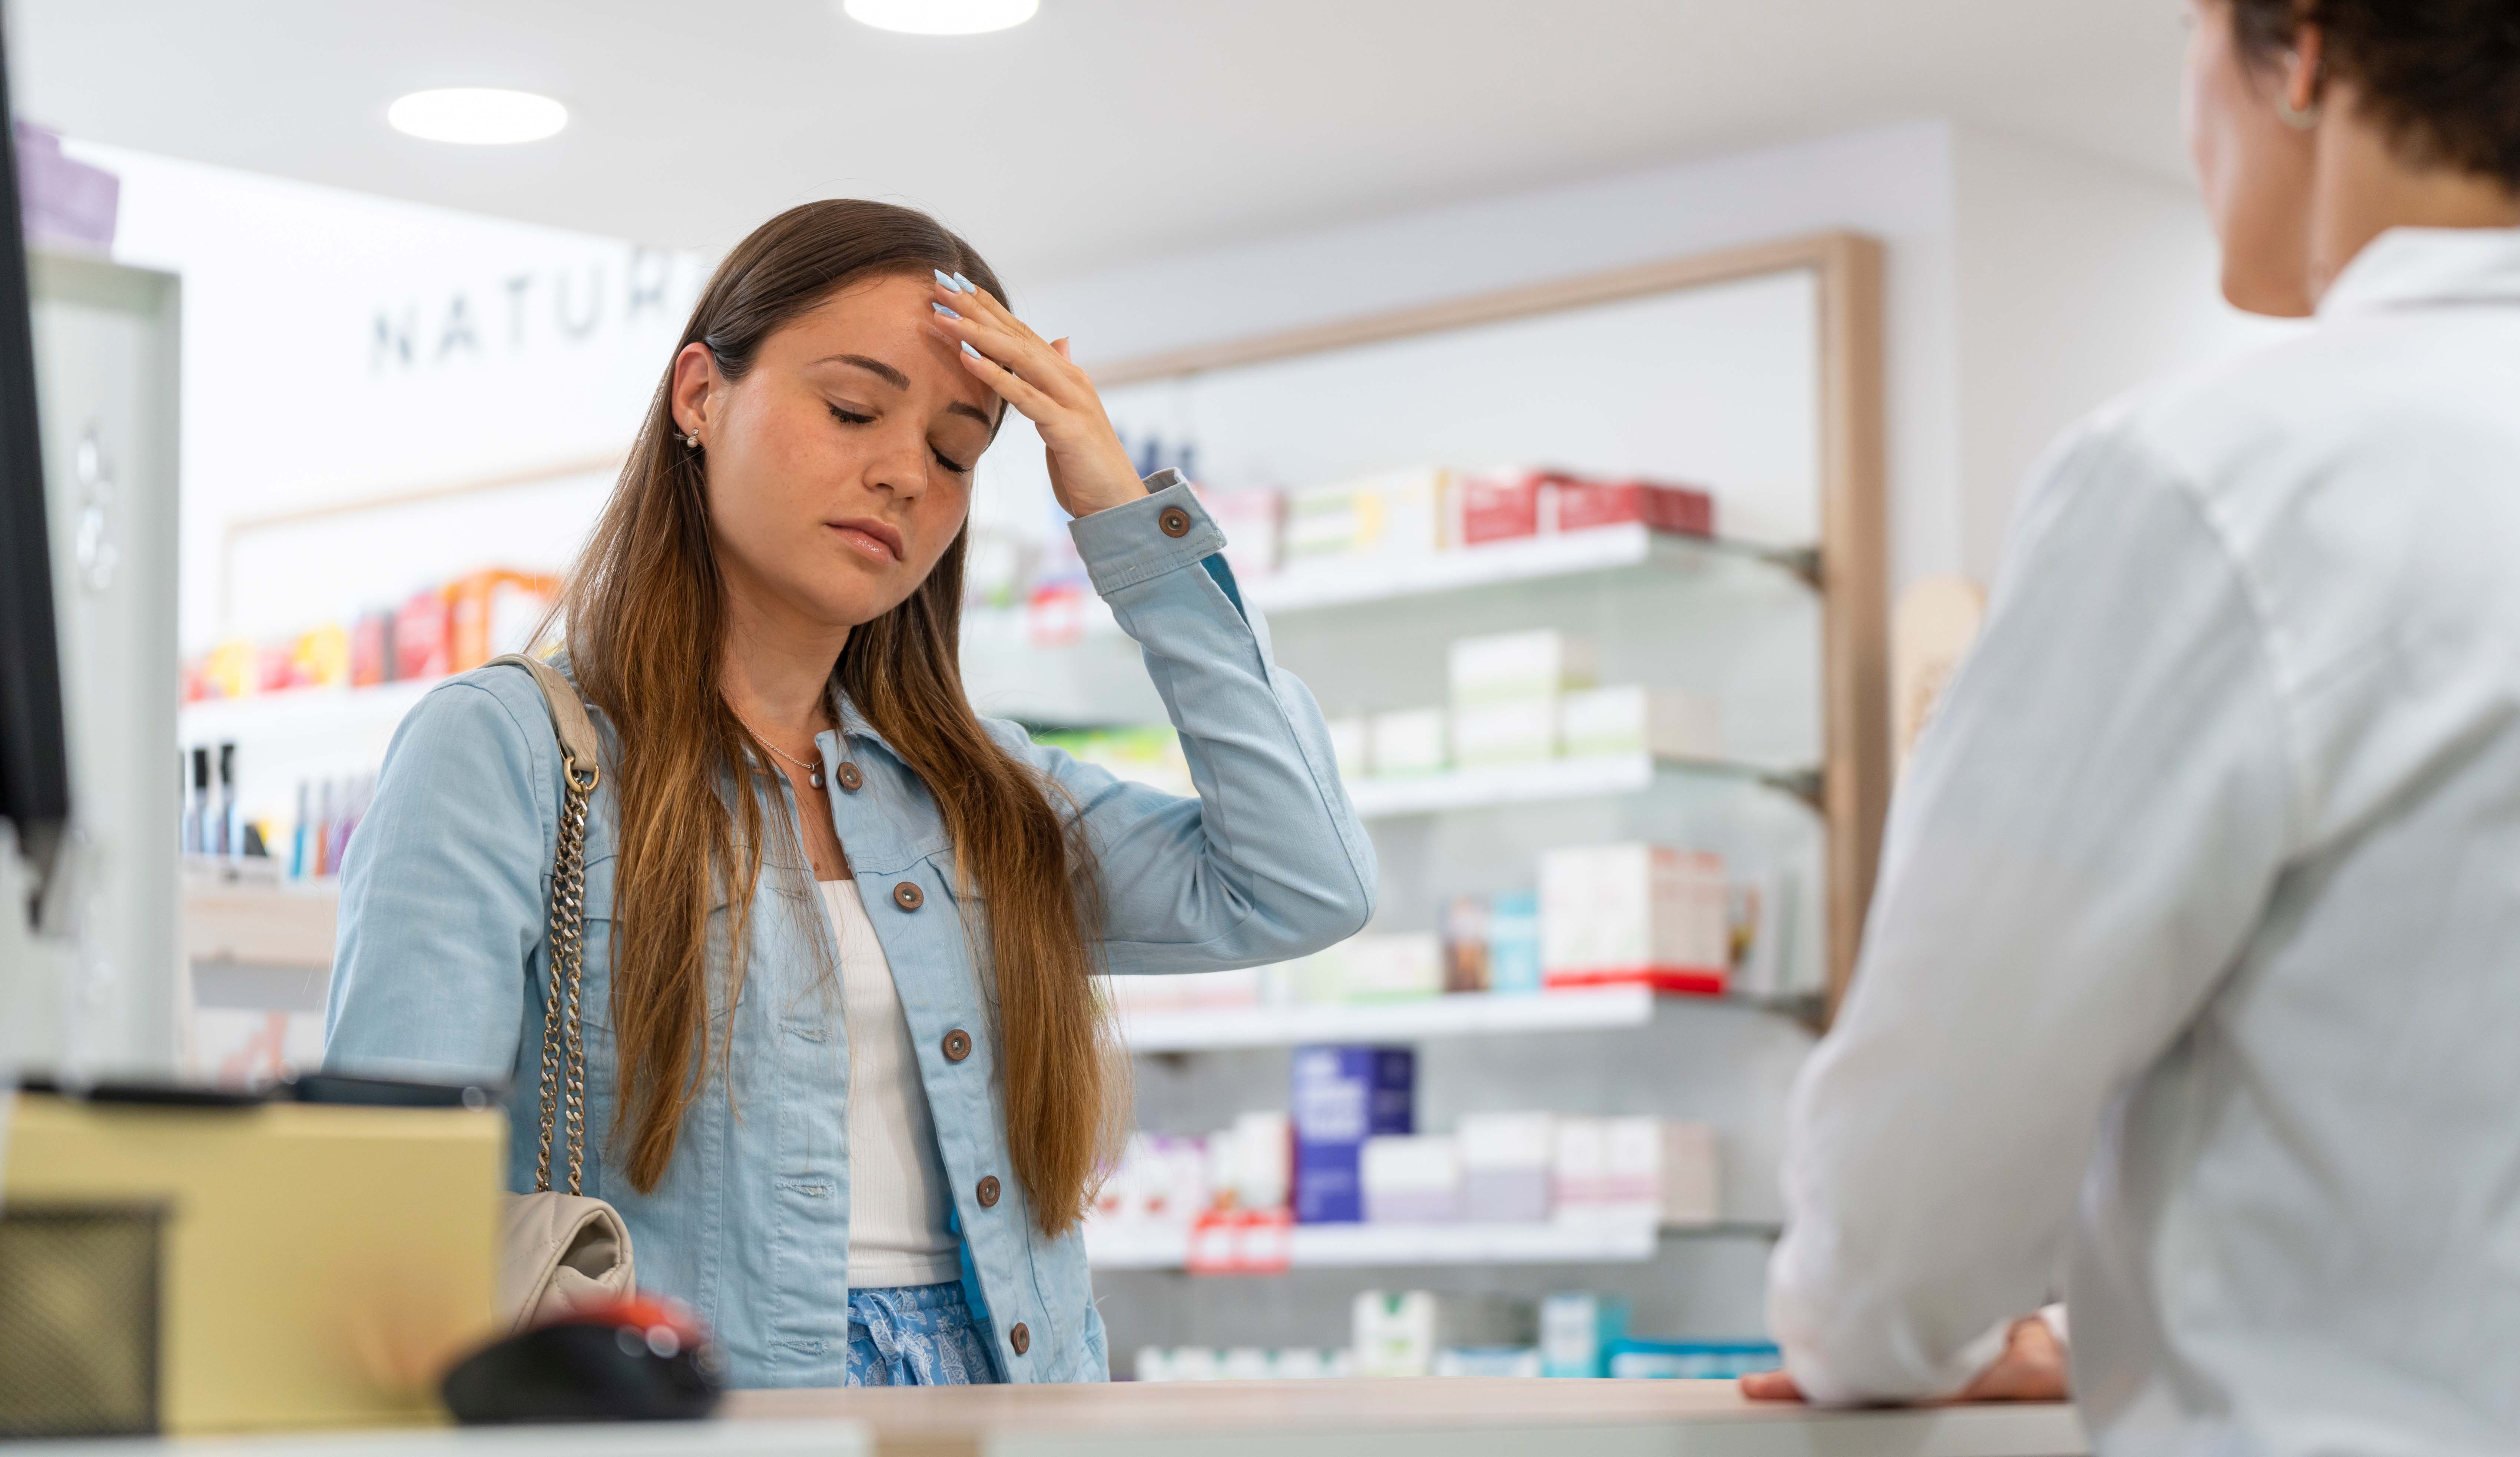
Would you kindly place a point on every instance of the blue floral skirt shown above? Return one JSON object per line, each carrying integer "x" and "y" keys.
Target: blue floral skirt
{"x": 916, "y": 1336}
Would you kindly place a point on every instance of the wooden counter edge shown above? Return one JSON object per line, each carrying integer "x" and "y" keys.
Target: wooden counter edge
{"x": 939, "y": 1422}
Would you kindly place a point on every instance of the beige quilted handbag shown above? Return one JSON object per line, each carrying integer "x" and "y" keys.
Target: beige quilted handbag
{"x": 560, "y": 1253}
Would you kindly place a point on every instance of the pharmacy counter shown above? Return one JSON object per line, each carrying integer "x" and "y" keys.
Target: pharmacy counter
{"x": 1437, "y": 1417}
{"x": 1424, "y": 1418}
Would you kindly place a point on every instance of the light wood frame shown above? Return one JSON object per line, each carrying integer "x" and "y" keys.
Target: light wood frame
{"x": 1854, "y": 694}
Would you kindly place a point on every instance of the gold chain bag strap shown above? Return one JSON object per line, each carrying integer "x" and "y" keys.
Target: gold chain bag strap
{"x": 563, "y": 1253}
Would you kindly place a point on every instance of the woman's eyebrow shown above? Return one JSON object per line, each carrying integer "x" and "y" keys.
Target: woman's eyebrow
{"x": 875, "y": 366}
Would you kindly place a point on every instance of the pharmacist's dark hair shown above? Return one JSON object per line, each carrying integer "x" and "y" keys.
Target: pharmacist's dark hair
{"x": 2442, "y": 76}
{"x": 645, "y": 610}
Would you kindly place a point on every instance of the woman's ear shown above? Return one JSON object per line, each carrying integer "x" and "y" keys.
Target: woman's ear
{"x": 2306, "y": 80}
{"x": 696, "y": 384}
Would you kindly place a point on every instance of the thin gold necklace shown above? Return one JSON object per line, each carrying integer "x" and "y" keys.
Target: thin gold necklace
{"x": 813, "y": 772}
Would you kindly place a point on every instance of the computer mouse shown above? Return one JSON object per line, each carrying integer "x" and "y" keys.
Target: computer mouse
{"x": 638, "y": 1360}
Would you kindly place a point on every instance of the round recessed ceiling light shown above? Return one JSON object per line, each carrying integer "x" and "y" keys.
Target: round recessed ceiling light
{"x": 477, "y": 115}
{"x": 941, "y": 17}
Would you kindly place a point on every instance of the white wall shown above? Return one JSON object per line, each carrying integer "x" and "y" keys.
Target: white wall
{"x": 2077, "y": 280}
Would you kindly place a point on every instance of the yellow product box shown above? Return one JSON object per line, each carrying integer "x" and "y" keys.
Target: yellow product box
{"x": 321, "y": 1266}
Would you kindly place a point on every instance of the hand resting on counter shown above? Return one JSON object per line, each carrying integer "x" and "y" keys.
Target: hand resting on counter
{"x": 2032, "y": 1368}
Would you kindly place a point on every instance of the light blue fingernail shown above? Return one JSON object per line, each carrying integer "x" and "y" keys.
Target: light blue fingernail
{"x": 967, "y": 349}
{"x": 964, "y": 284}
{"x": 946, "y": 280}
{"x": 942, "y": 309}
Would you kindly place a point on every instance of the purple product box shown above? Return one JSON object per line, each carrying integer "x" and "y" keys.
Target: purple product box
{"x": 1341, "y": 1097}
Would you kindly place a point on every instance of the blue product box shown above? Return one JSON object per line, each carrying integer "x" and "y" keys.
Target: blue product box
{"x": 1513, "y": 941}
{"x": 1344, "y": 1096}
{"x": 1693, "y": 1360}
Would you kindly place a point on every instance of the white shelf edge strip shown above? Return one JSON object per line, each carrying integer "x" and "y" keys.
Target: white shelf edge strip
{"x": 1546, "y": 779}
{"x": 1183, "y": 1030}
{"x": 1334, "y": 1246}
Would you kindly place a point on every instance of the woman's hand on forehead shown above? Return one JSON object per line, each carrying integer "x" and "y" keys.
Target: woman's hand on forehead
{"x": 1089, "y": 468}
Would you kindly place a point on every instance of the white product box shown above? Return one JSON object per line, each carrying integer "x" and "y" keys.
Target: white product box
{"x": 1577, "y": 1329}
{"x": 1521, "y": 1361}
{"x": 1508, "y": 1163}
{"x": 1260, "y": 1163}
{"x": 1319, "y": 978}
{"x": 1540, "y": 663}
{"x": 1635, "y": 914}
{"x": 1582, "y": 1184}
{"x": 1627, "y": 1169}
{"x": 1397, "y": 513}
{"x": 1308, "y": 1363}
{"x": 1409, "y": 741}
{"x": 1246, "y": 1363}
{"x": 1120, "y": 1197}
{"x": 1629, "y": 720}
{"x": 1398, "y": 1333}
{"x": 1393, "y": 968}
{"x": 1411, "y": 1179}
{"x": 1351, "y": 746}
{"x": 1175, "y": 1186}
{"x": 1517, "y": 731}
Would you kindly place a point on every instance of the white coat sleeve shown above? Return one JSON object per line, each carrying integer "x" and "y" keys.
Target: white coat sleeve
{"x": 2086, "y": 837}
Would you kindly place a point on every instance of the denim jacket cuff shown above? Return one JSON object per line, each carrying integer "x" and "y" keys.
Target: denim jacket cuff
{"x": 1125, "y": 545}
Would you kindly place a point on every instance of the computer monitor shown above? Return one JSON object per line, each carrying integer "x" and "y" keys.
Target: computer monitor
{"x": 34, "y": 765}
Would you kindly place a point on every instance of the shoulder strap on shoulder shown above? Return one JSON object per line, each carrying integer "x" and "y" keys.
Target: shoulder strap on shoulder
{"x": 575, "y": 731}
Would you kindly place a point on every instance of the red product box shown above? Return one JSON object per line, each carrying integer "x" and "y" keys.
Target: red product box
{"x": 1581, "y": 504}
{"x": 419, "y": 636}
{"x": 1498, "y": 508}
{"x": 1242, "y": 1242}
{"x": 1705, "y": 982}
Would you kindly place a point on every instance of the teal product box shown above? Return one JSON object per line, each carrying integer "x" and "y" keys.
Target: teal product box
{"x": 1513, "y": 942}
{"x": 1578, "y": 1329}
{"x": 1693, "y": 1360}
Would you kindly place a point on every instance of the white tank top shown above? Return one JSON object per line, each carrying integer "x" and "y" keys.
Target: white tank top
{"x": 897, "y": 1204}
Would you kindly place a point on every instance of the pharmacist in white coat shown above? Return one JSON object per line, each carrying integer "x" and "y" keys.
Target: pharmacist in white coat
{"x": 2193, "y": 984}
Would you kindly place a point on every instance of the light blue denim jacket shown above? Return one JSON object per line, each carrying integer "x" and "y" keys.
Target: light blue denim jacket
{"x": 441, "y": 963}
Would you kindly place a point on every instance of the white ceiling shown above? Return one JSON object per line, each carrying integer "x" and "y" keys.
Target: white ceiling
{"x": 1102, "y": 131}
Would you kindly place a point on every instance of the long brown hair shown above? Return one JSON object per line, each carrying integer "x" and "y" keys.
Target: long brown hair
{"x": 645, "y": 614}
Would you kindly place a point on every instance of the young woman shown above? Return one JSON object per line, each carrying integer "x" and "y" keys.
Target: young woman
{"x": 846, "y": 1070}
{"x": 2191, "y": 963}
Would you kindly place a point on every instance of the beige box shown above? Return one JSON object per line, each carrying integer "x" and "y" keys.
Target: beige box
{"x": 1407, "y": 742}
{"x": 1629, "y": 720}
{"x": 1518, "y": 731}
{"x": 323, "y": 1265}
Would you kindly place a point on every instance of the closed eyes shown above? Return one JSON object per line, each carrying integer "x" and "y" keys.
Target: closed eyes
{"x": 851, "y": 417}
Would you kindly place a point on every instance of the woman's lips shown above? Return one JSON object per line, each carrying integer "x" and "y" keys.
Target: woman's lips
{"x": 876, "y": 540}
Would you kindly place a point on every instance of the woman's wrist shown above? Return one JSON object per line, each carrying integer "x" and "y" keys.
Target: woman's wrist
{"x": 1114, "y": 482}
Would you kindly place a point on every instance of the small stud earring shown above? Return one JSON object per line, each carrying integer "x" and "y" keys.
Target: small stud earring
{"x": 692, "y": 439}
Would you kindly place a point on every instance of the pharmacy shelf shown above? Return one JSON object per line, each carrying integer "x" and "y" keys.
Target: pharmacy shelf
{"x": 1159, "y": 1247}
{"x": 1310, "y": 586}
{"x": 1153, "y": 1029}
{"x": 299, "y": 711}
{"x": 1556, "y": 779}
